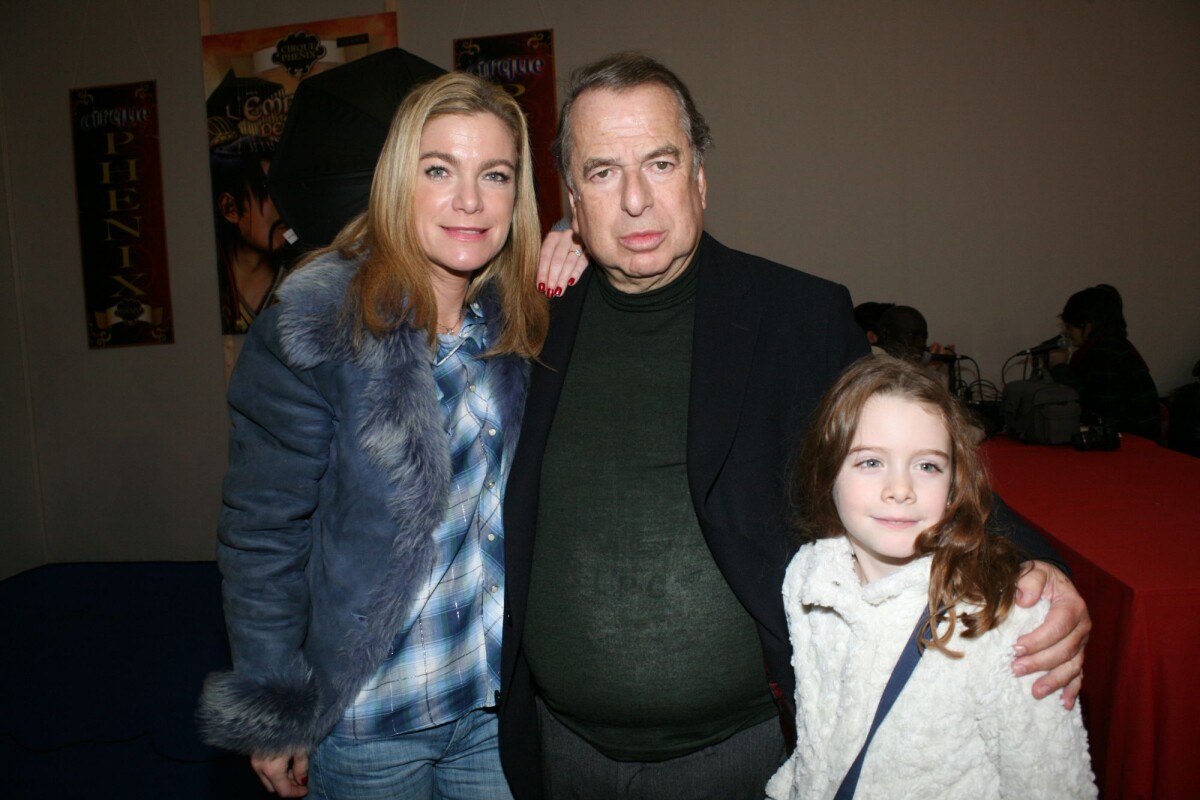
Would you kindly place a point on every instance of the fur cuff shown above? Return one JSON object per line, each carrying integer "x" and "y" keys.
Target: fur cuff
{"x": 268, "y": 717}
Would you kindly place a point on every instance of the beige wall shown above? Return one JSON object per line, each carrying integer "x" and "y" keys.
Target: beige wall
{"x": 981, "y": 161}
{"x": 978, "y": 160}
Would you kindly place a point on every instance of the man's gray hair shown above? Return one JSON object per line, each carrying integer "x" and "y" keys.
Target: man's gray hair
{"x": 621, "y": 72}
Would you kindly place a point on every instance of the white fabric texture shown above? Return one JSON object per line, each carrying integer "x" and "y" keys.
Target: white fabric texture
{"x": 961, "y": 728}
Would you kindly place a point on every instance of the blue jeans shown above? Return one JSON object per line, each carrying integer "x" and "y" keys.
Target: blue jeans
{"x": 456, "y": 761}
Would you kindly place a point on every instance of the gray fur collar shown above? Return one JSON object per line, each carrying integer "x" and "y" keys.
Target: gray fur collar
{"x": 314, "y": 330}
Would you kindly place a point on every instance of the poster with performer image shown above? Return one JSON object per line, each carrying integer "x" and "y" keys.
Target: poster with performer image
{"x": 249, "y": 80}
{"x": 119, "y": 197}
{"x": 523, "y": 63}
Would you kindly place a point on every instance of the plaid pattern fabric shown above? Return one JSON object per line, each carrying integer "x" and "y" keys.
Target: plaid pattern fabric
{"x": 448, "y": 664}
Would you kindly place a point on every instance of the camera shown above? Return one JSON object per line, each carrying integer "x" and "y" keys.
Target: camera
{"x": 1099, "y": 435}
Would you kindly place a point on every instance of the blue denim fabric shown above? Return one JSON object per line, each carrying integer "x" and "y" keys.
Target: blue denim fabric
{"x": 456, "y": 761}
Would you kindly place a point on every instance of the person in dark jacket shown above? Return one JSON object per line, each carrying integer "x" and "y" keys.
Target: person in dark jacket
{"x": 1113, "y": 380}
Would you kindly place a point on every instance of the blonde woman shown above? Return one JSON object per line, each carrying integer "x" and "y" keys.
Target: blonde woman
{"x": 375, "y": 410}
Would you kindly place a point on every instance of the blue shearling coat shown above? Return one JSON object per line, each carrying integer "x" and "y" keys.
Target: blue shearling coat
{"x": 339, "y": 471}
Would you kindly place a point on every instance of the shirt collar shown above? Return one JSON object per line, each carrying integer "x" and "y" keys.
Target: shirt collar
{"x": 473, "y": 329}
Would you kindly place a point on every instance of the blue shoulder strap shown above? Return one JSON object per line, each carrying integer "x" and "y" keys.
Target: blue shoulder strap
{"x": 909, "y": 657}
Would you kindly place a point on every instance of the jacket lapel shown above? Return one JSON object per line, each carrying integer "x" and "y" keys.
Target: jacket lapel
{"x": 727, "y": 323}
{"x": 547, "y": 376}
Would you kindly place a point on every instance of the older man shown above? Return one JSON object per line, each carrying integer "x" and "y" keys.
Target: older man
{"x": 645, "y": 616}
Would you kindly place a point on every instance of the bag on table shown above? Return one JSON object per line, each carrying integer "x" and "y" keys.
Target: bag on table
{"x": 1041, "y": 411}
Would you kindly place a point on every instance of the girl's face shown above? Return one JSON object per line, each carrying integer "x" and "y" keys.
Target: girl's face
{"x": 465, "y": 192}
{"x": 894, "y": 483}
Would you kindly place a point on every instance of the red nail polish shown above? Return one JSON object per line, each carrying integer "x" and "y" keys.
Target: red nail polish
{"x": 558, "y": 291}
{"x": 541, "y": 287}
{"x": 304, "y": 781}
{"x": 571, "y": 282}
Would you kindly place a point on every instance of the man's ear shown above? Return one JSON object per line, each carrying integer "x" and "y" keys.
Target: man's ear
{"x": 702, "y": 186}
{"x": 574, "y": 216}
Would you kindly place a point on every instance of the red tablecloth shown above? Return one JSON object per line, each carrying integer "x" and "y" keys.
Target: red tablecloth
{"x": 1127, "y": 522}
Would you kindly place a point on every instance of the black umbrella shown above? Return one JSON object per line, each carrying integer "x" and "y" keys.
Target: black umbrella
{"x": 320, "y": 176}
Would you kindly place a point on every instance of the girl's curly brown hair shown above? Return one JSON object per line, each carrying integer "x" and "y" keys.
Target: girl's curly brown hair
{"x": 969, "y": 565}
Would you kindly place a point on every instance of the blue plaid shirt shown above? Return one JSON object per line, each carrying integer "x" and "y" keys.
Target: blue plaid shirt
{"x": 448, "y": 663}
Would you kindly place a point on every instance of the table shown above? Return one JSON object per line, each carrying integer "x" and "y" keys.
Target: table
{"x": 1127, "y": 522}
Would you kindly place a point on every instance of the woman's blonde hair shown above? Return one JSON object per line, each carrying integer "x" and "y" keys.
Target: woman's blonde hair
{"x": 393, "y": 285}
{"x": 969, "y": 564}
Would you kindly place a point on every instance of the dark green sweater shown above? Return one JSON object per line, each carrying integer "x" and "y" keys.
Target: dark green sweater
{"x": 633, "y": 635}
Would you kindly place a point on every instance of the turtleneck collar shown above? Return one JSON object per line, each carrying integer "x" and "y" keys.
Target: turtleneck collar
{"x": 678, "y": 291}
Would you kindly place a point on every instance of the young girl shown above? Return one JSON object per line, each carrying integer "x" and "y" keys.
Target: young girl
{"x": 893, "y": 501}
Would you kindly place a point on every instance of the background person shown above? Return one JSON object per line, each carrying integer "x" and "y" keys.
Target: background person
{"x": 904, "y": 333}
{"x": 867, "y": 316}
{"x": 1113, "y": 380}
{"x": 375, "y": 411}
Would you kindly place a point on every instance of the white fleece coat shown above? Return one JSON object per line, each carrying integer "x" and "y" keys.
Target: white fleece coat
{"x": 961, "y": 728}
